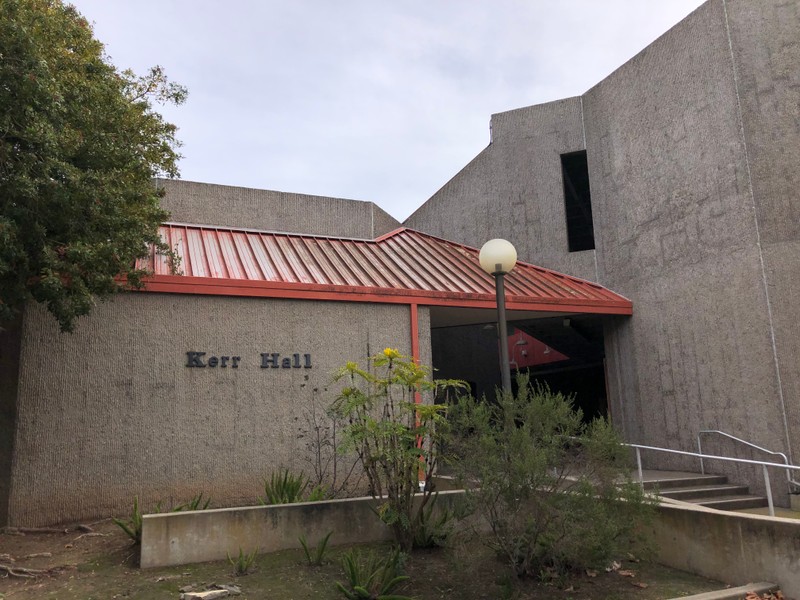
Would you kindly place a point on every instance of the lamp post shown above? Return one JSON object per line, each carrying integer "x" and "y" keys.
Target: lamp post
{"x": 498, "y": 257}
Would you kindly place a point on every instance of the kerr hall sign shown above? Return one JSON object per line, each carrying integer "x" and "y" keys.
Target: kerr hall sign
{"x": 269, "y": 360}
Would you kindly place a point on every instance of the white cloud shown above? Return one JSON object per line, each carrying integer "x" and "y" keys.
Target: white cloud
{"x": 381, "y": 101}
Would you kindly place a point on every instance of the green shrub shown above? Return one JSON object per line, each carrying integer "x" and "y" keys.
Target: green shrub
{"x": 396, "y": 439}
{"x": 556, "y": 493}
{"x": 371, "y": 577}
{"x": 316, "y": 556}
{"x": 284, "y": 487}
{"x": 243, "y": 563}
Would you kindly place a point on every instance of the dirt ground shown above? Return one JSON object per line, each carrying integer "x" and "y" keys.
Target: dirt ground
{"x": 63, "y": 556}
{"x": 79, "y": 564}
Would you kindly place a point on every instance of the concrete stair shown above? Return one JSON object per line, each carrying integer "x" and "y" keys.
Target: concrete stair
{"x": 713, "y": 491}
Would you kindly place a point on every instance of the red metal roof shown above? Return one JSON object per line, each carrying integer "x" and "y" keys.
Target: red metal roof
{"x": 404, "y": 266}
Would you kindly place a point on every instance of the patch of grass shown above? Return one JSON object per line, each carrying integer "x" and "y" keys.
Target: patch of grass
{"x": 435, "y": 574}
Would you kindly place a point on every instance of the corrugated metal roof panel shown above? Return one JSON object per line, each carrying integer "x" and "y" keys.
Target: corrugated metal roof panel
{"x": 402, "y": 263}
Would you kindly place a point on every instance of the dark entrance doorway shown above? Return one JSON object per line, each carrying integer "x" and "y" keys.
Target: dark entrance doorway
{"x": 565, "y": 352}
{"x": 579, "y": 370}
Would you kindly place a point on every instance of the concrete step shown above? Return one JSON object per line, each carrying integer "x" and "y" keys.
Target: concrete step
{"x": 732, "y": 502}
{"x": 713, "y": 491}
{"x": 684, "y": 481}
{"x": 736, "y": 593}
{"x": 704, "y": 491}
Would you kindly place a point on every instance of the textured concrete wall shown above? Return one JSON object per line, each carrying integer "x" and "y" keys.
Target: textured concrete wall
{"x": 226, "y": 206}
{"x": 9, "y": 375}
{"x": 112, "y": 410}
{"x": 514, "y": 189}
{"x": 676, "y": 233}
{"x": 765, "y": 39}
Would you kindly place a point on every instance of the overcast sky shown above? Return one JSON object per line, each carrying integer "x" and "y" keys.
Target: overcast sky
{"x": 381, "y": 100}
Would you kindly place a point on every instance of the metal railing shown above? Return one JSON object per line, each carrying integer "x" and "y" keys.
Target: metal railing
{"x": 790, "y": 481}
{"x": 764, "y": 466}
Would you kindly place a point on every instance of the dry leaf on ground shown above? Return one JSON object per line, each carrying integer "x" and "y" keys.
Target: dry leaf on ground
{"x": 626, "y": 573}
{"x": 614, "y": 566}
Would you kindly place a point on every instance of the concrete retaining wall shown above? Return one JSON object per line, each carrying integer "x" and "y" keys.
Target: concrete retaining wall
{"x": 732, "y": 547}
{"x": 190, "y": 537}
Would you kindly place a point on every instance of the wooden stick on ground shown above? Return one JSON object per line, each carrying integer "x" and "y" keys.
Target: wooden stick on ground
{"x": 22, "y": 572}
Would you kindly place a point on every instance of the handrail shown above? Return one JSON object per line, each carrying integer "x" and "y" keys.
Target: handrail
{"x": 789, "y": 479}
{"x": 764, "y": 465}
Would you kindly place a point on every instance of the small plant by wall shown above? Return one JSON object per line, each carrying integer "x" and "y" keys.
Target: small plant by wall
{"x": 132, "y": 526}
{"x": 436, "y": 524}
{"x": 195, "y": 503}
{"x": 284, "y": 487}
{"x": 371, "y": 576}
{"x": 243, "y": 563}
{"x": 315, "y": 557}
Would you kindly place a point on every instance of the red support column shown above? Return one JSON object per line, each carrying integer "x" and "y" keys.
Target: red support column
{"x": 415, "y": 357}
{"x": 415, "y": 342}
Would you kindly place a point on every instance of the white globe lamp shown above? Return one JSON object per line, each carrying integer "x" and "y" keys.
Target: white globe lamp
{"x": 498, "y": 257}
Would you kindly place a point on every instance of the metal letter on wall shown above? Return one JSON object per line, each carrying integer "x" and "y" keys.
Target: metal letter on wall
{"x": 193, "y": 359}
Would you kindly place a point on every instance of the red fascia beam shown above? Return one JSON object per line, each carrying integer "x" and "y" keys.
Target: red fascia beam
{"x": 173, "y": 284}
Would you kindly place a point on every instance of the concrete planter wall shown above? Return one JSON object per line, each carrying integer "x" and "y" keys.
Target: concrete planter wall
{"x": 733, "y": 547}
{"x": 199, "y": 536}
{"x": 736, "y": 548}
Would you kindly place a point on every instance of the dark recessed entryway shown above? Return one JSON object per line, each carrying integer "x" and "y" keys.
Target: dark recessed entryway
{"x": 565, "y": 351}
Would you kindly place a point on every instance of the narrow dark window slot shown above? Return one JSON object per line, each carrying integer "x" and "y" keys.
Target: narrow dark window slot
{"x": 577, "y": 201}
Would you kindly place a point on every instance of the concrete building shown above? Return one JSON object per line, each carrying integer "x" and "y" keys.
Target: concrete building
{"x": 205, "y": 381}
{"x": 673, "y": 183}
{"x": 92, "y": 418}
{"x": 692, "y": 153}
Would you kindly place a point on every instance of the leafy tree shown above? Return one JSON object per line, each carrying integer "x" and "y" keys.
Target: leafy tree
{"x": 80, "y": 144}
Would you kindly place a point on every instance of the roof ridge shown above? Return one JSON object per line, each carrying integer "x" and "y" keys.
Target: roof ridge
{"x": 265, "y": 231}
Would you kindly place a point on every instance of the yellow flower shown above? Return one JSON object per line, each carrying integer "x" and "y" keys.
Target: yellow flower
{"x": 391, "y": 353}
